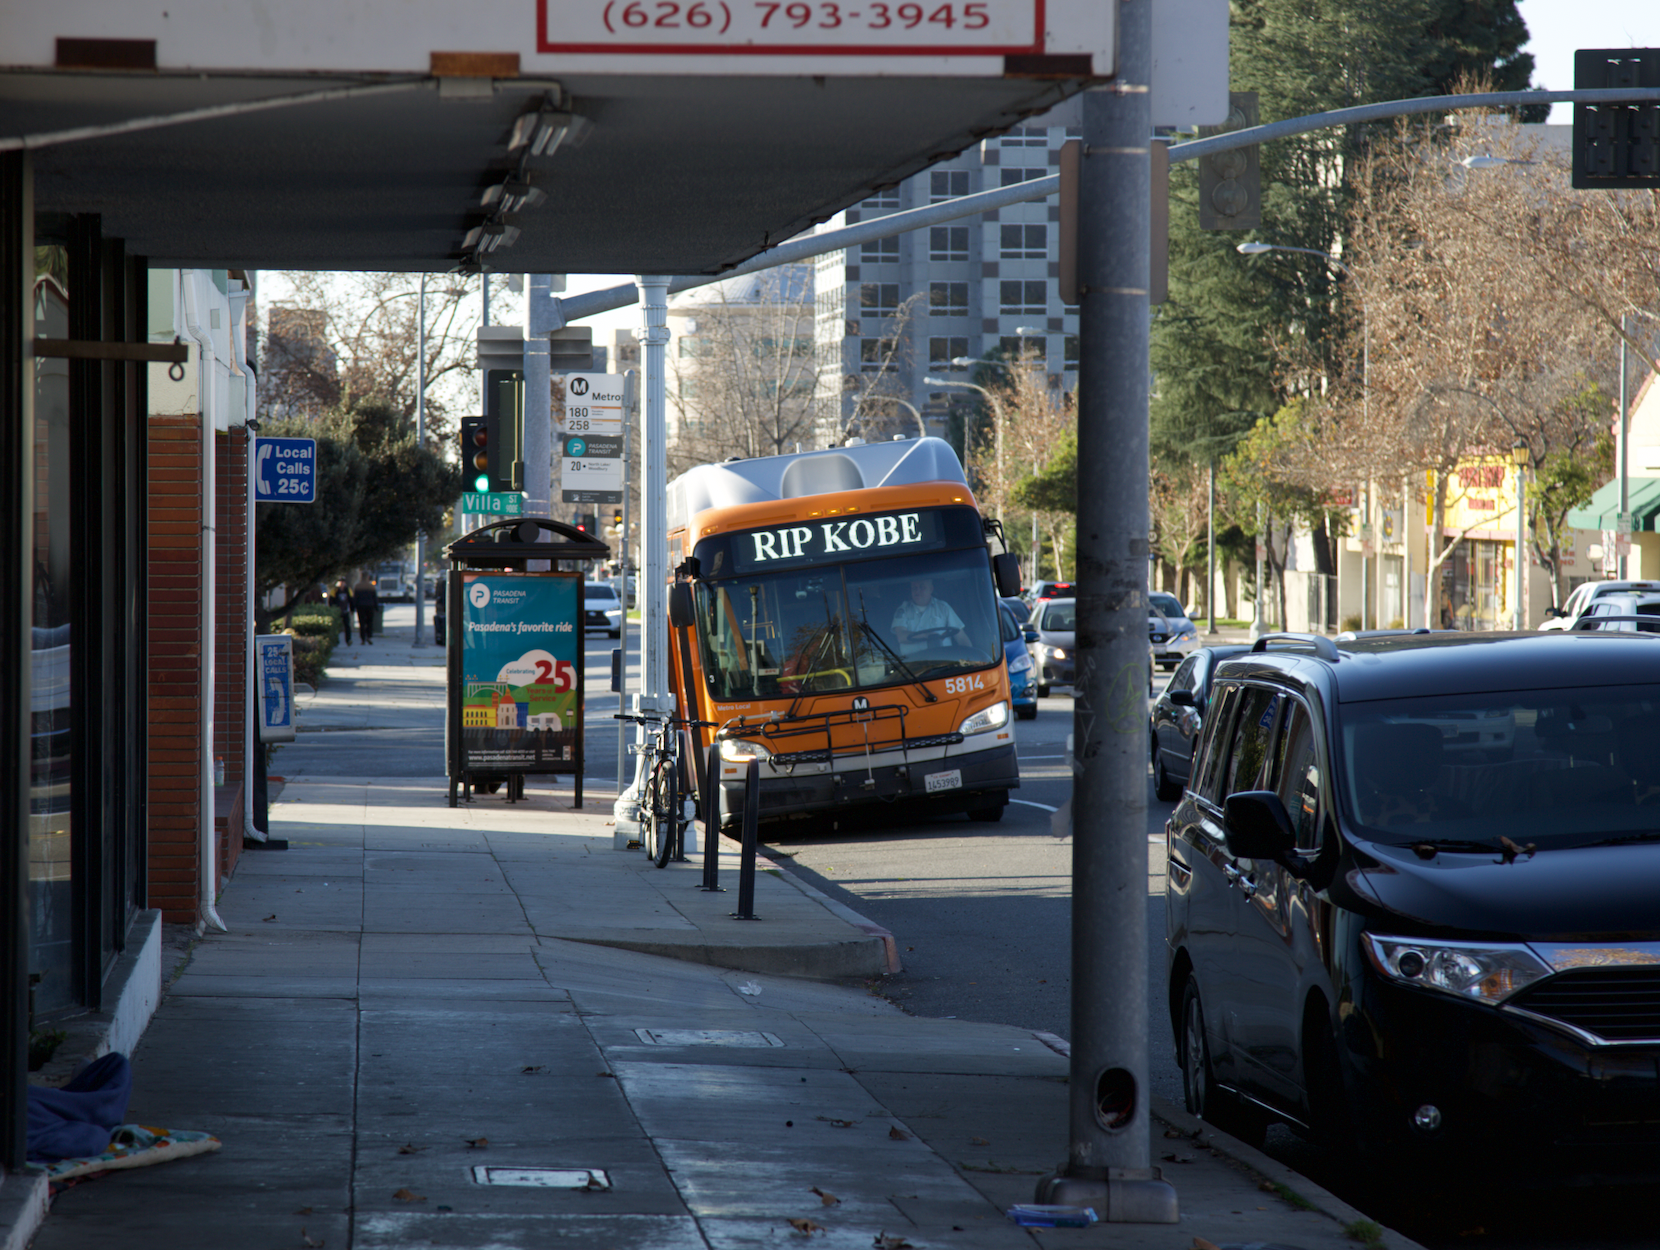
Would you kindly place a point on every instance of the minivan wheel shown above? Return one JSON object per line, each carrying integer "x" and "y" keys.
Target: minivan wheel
{"x": 1203, "y": 1097}
{"x": 1330, "y": 1123}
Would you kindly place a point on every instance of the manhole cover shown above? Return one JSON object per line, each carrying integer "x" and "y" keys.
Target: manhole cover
{"x": 543, "y": 1178}
{"x": 706, "y": 1037}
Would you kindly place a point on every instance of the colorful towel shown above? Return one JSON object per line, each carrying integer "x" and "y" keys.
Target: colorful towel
{"x": 133, "y": 1146}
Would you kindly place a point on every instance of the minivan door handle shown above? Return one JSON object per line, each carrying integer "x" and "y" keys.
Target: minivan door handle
{"x": 1247, "y": 887}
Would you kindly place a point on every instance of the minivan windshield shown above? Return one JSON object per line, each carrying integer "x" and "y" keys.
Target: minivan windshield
{"x": 1564, "y": 767}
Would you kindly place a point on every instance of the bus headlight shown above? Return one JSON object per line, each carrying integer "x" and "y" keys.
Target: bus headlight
{"x": 742, "y": 750}
{"x": 993, "y": 717}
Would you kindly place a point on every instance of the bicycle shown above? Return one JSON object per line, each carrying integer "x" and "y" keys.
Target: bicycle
{"x": 663, "y": 818}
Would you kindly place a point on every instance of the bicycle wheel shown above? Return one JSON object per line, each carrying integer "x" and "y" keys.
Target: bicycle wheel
{"x": 665, "y": 801}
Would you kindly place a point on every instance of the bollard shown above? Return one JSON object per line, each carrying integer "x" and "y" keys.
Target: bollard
{"x": 746, "y": 865}
{"x": 711, "y": 823}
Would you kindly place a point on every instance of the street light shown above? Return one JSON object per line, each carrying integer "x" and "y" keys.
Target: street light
{"x": 1258, "y": 249}
{"x": 997, "y": 413}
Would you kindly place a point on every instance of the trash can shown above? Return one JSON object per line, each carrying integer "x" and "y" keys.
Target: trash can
{"x": 380, "y": 618}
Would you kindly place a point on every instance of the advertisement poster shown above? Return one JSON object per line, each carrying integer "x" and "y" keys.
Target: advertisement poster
{"x": 274, "y": 669}
{"x": 521, "y": 688}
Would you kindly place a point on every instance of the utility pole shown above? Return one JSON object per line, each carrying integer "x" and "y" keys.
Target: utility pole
{"x": 421, "y": 442}
{"x": 1210, "y": 545}
{"x": 1109, "y": 1147}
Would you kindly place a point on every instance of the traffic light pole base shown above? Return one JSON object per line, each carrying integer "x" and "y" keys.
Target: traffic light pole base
{"x": 1122, "y": 1196}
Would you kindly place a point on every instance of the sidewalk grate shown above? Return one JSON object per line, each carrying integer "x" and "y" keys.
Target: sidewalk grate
{"x": 706, "y": 1037}
{"x": 542, "y": 1178}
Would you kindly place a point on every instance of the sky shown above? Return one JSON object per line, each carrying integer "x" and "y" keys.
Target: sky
{"x": 1557, "y": 27}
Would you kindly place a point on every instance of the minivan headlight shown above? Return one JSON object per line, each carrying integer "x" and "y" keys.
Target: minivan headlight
{"x": 742, "y": 750}
{"x": 993, "y": 717}
{"x": 1487, "y": 972}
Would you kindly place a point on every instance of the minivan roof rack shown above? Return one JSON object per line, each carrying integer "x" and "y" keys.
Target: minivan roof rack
{"x": 1324, "y": 648}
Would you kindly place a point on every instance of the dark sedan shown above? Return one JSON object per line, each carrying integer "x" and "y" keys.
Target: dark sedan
{"x": 1179, "y": 714}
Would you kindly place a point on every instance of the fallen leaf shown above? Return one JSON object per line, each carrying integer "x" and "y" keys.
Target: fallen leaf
{"x": 834, "y": 1123}
{"x": 886, "y": 1242}
{"x": 407, "y": 1149}
{"x": 898, "y": 1134}
{"x": 1267, "y": 1187}
{"x": 302, "y": 1210}
{"x": 612, "y": 1075}
{"x": 978, "y": 1141}
{"x": 806, "y": 1227}
{"x": 270, "y": 918}
{"x": 829, "y": 1200}
{"x": 531, "y": 1067}
{"x": 405, "y": 1195}
{"x": 1199, "y": 1243}
{"x": 477, "y": 1143}
{"x": 1173, "y": 1158}
{"x": 311, "y": 1243}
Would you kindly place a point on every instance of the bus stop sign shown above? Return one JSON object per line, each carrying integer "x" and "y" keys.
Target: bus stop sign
{"x": 285, "y": 470}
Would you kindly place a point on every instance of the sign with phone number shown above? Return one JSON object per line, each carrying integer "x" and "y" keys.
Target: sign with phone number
{"x": 854, "y": 27}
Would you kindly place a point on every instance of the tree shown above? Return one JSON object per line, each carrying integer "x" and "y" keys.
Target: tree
{"x": 376, "y": 490}
{"x": 1215, "y": 340}
{"x": 337, "y": 339}
{"x": 743, "y": 380}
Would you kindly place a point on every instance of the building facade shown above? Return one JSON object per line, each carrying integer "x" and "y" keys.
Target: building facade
{"x": 897, "y": 311}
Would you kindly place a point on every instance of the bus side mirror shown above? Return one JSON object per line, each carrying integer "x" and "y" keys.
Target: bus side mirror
{"x": 680, "y": 605}
{"x": 1005, "y": 570}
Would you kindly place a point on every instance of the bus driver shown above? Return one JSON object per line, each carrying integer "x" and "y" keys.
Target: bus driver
{"x": 923, "y": 619}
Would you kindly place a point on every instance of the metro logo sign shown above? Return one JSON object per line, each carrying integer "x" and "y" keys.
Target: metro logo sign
{"x": 796, "y": 27}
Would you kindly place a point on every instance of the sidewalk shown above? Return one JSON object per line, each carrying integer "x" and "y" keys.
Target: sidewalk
{"x": 417, "y": 1006}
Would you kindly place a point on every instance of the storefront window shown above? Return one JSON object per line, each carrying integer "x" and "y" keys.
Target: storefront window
{"x": 51, "y": 954}
{"x": 1473, "y": 585}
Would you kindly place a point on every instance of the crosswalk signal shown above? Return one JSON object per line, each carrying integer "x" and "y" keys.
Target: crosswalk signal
{"x": 475, "y": 452}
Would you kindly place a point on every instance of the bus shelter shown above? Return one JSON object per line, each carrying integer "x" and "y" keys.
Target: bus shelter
{"x": 515, "y": 654}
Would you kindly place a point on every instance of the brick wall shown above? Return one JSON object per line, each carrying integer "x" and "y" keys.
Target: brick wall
{"x": 175, "y": 665}
{"x": 230, "y": 710}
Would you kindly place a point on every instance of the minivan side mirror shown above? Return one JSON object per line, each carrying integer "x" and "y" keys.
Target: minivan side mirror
{"x": 1182, "y": 698}
{"x": 1259, "y": 827}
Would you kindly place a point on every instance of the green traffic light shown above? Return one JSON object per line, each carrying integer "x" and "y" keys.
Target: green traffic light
{"x": 481, "y": 483}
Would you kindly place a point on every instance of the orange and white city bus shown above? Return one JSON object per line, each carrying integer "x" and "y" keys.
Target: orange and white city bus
{"x": 835, "y": 614}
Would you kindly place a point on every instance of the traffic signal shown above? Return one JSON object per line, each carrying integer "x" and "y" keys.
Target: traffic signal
{"x": 1616, "y": 145}
{"x": 586, "y": 523}
{"x": 475, "y": 453}
{"x": 1230, "y": 183}
{"x": 616, "y": 518}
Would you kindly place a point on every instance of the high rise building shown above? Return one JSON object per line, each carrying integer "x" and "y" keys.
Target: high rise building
{"x": 897, "y": 310}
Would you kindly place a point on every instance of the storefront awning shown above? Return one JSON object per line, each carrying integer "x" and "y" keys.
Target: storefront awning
{"x": 1603, "y": 510}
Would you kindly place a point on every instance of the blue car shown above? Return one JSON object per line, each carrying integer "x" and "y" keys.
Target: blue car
{"x": 1022, "y": 691}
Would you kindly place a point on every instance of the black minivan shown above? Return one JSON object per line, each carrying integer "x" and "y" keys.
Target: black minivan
{"x": 1414, "y": 900}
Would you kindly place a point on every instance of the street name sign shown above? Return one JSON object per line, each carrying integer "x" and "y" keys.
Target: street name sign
{"x": 493, "y": 502}
{"x": 285, "y": 470}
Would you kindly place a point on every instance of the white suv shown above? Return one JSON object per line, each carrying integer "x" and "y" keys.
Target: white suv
{"x": 1622, "y": 606}
{"x": 1585, "y": 594}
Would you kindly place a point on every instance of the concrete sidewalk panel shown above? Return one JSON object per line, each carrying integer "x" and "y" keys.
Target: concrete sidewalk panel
{"x": 270, "y": 947}
{"x": 266, "y": 986}
{"x": 467, "y": 1230}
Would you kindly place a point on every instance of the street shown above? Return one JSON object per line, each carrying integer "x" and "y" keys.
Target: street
{"x": 982, "y": 913}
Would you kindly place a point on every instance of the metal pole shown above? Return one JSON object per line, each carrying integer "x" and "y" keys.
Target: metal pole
{"x": 537, "y": 447}
{"x": 421, "y": 442}
{"x": 746, "y": 864}
{"x": 1258, "y": 623}
{"x": 654, "y": 695}
{"x": 1519, "y": 610}
{"x": 1109, "y": 1152}
{"x": 1210, "y": 545}
{"x": 1622, "y": 446}
{"x": 629, "y": 405}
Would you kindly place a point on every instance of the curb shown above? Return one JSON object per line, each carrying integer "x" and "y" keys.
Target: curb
{"x": 841, "y": 911}
{"x": 1273, "y": 1172}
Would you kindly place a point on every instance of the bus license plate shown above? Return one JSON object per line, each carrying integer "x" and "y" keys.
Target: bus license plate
{"x": 952, "y": 780}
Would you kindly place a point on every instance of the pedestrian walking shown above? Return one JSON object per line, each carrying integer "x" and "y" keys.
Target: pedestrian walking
{"x": 366, "y": 599}
{"x": 341, "y": 599}
{"x": 438, "y": 613}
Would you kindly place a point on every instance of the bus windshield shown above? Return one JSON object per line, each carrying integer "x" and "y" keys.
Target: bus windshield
{"x": 851, "y": 626}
